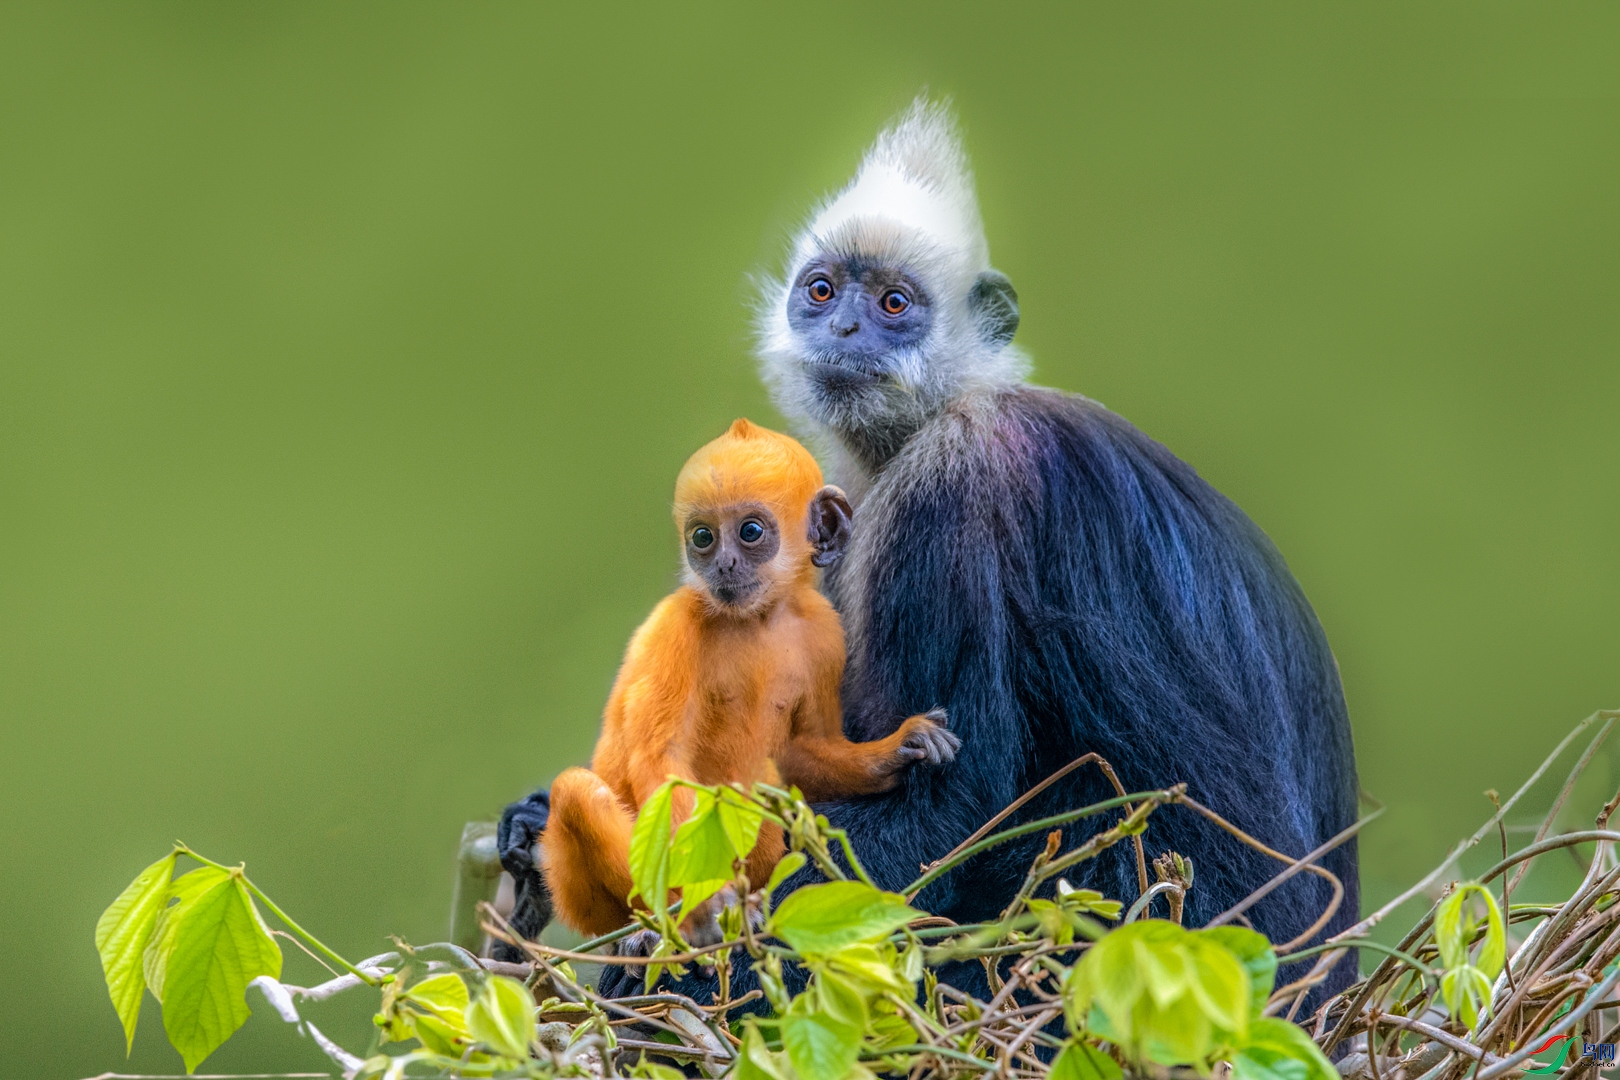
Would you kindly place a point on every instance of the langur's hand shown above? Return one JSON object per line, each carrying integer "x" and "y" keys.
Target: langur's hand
{"x": 929, "y": 740}
{"x": 521, "y": 825}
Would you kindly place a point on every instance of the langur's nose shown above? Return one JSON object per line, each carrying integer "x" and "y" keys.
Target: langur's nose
{"x": 846, "y": 329}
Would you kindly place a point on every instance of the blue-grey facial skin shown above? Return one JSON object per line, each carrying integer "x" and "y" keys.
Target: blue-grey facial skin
{"x": 854, "y": 317}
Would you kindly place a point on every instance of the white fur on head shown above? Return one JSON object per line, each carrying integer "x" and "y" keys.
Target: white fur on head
{"x": 912, "y": 204}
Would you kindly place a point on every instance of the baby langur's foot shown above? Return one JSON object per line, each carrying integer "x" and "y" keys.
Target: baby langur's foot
{"x": 703, "y": 927}
{"x": 929, "y": 740}
{"x": 640, "y": 943}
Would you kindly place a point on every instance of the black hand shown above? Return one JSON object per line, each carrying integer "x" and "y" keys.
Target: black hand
{"x": 515, "y": 838}
{"x": 521, "y": 825}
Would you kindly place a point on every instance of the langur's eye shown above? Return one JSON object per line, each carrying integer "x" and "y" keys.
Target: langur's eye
{"x": 751, "y": 531}
{"x": 702, "y": 537}
{"x": 895, "y": 302}
{"x": 820, "y": 290}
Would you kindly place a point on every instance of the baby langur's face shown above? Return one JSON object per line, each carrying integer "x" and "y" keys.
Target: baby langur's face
{"x": 731, "y": 549}
{"x": 736, "y": 551}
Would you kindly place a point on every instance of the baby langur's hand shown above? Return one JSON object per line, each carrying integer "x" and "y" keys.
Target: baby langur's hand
{"x": 929, "y": 740}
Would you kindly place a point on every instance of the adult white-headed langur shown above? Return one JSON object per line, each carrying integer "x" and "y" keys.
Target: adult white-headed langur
{"x": 1055, "y": 580}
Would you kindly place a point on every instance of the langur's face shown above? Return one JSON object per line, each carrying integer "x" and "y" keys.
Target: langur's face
{"x": 731, "y": 549}
{"x": 854, "y": 318}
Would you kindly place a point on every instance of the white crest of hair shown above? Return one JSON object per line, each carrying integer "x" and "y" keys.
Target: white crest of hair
{"x": 912, "y": 204}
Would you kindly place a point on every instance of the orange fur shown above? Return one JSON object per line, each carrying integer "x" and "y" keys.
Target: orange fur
{"x": 715, "y": 696}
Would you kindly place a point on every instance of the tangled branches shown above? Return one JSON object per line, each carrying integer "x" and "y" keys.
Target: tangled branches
{"x": 1080, "y": 986}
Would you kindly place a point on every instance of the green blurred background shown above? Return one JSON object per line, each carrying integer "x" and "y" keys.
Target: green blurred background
{"x": 348, "y": 354}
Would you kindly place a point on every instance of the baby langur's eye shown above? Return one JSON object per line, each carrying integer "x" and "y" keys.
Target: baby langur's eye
{"x": 895, "y": 302}
{"x": 751, "y": 531}
{"x": 820, "y": 290}
{"x": 702, "y": 537}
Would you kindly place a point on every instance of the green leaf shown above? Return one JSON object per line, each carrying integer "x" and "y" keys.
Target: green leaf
{"x": 1079, "y": 1060}
{"x": 1255, "y": 953}
{"x": 841, "y": 999}
{"x": 1161, "y": 993}
{"x": 1220, "y": 985}
{"x": 788, "y": 865}
{"x": 1088, "y": 900}
{"x": 1455, "y": 925}
{"x": 741, "y": 820}
{"x": 1465, "y": 989}
{"x": 184, "y": 891}
{"x": 667, "y": 946}
{"x": 698, "y": 891}
{"x": 1448, "y": 929}
{"x": 1056, "y": 923}
{"x": 757, "y": 1062}
{"x": 1279, "y": 1050}
{"x": 1466, "y": 985}
{"x": 874, "y": 968}
{"x": 820, "y": 919}
{"x": 439, "y": 1036}
{"x": 444, "y": 995}
{"x": 701, "y": 850}
{"x": 649, "y": 849}
{"x": 888, "y": 1029}
{"x": 216, "y": 944}
{"x": 121, "y": 936}
{"x": 502, "y": 1017}
{"x": 820, "y": 1046}
{"x": 651, "y": 1070}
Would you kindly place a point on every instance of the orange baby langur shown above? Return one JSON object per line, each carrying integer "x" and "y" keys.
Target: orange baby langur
{"x": 733, "y": 677}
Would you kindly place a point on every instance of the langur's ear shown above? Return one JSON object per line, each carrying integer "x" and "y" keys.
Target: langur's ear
{"x": 830, "y": 516}
{"x": 994, "y": 304}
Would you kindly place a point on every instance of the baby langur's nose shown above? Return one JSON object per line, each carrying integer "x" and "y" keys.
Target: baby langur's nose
{"x": 844, "y": 329}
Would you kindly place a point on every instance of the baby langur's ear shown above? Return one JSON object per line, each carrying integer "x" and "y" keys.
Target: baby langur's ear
{"x": 994, "y": 304}
{"x": 829, "y": 525}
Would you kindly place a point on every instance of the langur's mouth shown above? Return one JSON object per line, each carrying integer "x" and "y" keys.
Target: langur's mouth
{"x": 735, "y": 595}
{"x": 842, "y": 377}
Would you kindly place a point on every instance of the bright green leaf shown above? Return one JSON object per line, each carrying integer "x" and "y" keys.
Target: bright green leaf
{"x": 1466, "y": 986}
{"x": 756, "y": 1061}
{"x": 218, "y": 944}
{"x": 910, "y": 967}
{"x": 1088, "y": 900}
{"x": 741, "y": 820}
{"x": 819, "y": 919}
{"x": 1279, "y": 1050}
{"x": 874, "y": 968}
{"x": 651, "y": 1070}
{"x": 1255, "y": 953}
{"x": 1079, "y": 1060}
{"x": 121, "y": 936}
{"x": 184, "y": 891}
{"x": 1220, "y": 986}
{"x": 502, "y": 1017}
{"x": 695, "y": 893}
{"x": 888, "y": 1029}
{"x": 440, "y": 1036}
{"x": 840, "y": 999}
{"x": 444, "y": 995}
{"x": 1165, "y": 968}
{"x": 1161, "y": 993}
{"x": 701, "y": 850}
{"x": 1178, "y": 1035}
{"x": 650, "y": 847}
{"x": 788, "y": 865}
{"x": 667, "y": 946}
{"x": 1465, "y": 989}
{"x": 820, "y": 1046}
